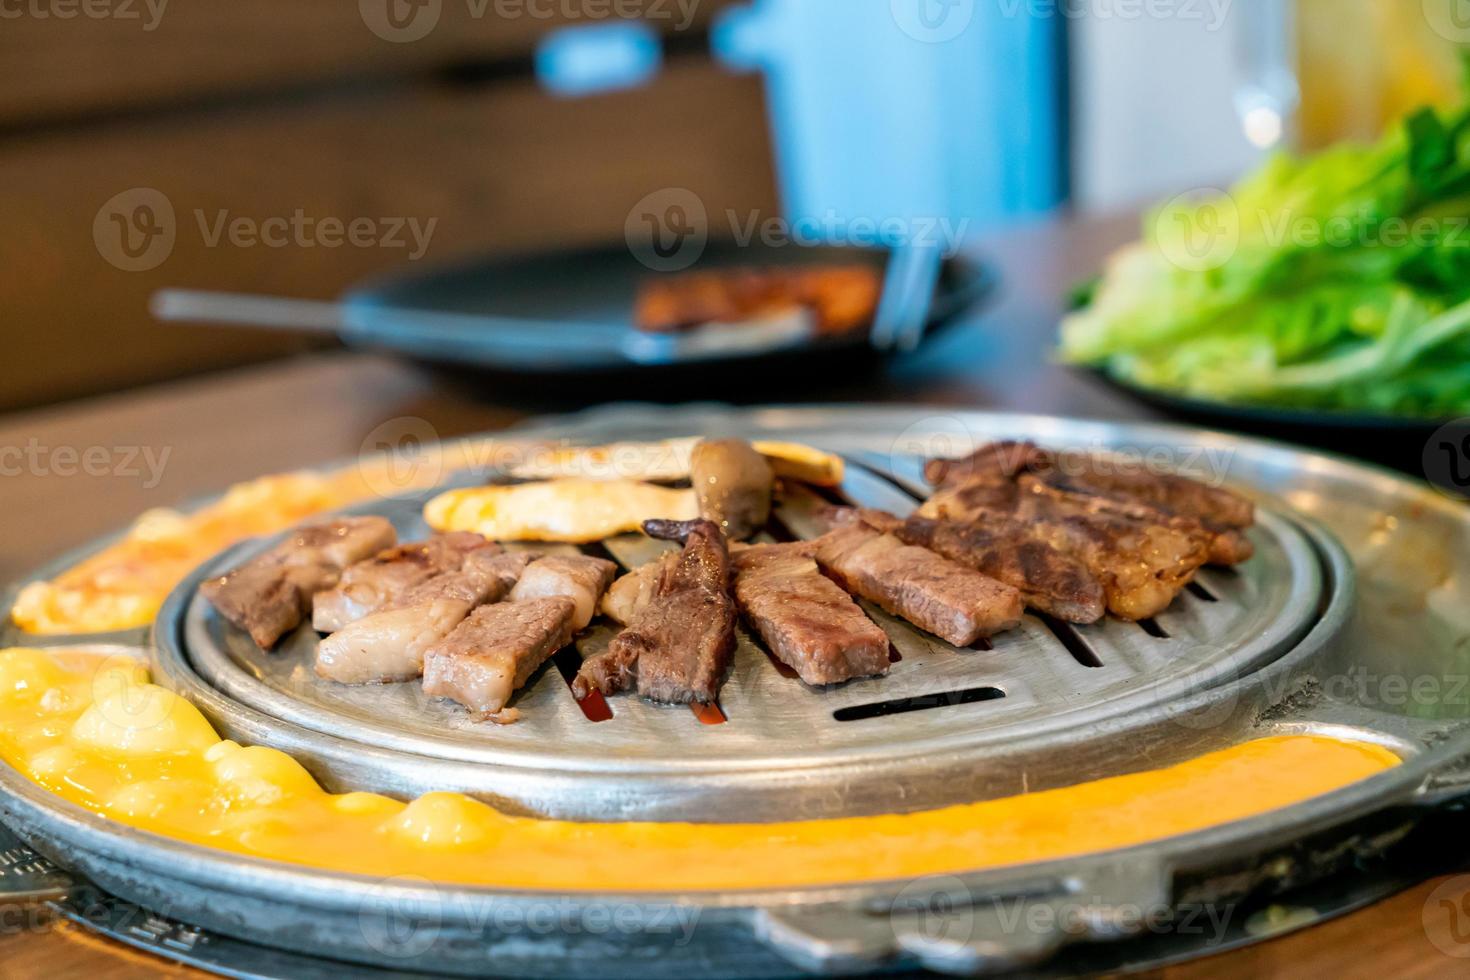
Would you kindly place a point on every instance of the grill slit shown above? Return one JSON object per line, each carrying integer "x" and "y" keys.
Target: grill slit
{"x": 1198, "y": 590}
{"x": 1152, "y": 628}
{"x": 918, "y": 702}
{"x": 1067, "y": 634}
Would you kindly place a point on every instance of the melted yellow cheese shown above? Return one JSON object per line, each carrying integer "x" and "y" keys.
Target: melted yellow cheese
{"x": 122, "y": 586}
{"x": 97, "y": 733}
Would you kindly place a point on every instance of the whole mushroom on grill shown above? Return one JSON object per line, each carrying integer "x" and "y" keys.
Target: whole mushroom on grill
{"x": 733, "y": 485}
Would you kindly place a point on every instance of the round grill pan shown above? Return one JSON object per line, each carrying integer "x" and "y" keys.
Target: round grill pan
{"x": 1358, "y": 582}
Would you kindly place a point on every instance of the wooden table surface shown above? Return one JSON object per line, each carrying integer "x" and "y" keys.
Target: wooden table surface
{"x": 168, "y": 443}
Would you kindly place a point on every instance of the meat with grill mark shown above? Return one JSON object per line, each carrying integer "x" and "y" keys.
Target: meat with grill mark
{"x": 270, "y": 595}
{"x": 679, "y": 647}
{"x": 494, "y": 652}
{"x": 1010, "y": 551}
{"x": 1224, "y": 513}
{"x": 805, "y": 619}
{"x": 389, "y": 645}
{"x": 1142, "y": 563}
{"x": 376, "y": 582}
{"x": 955, "y": 603}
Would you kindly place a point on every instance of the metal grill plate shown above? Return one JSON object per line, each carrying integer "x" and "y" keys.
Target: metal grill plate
{"x": 653, "y": 761}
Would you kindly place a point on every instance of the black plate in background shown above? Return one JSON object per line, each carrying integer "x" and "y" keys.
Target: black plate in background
{"x": 1391, "y": 440}
{"x": 570, "y": 312}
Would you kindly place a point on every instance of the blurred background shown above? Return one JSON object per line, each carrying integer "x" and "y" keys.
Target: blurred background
{"x": 299, "y": 148}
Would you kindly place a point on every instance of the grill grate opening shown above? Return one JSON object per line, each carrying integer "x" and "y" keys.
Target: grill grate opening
{"x": 1152, "y": 628}
{"x": 919, "y": 702}
{"x": 1199, "y": 591}
{"x": 1067, "y": 634}
{"x": 594, "y": 706}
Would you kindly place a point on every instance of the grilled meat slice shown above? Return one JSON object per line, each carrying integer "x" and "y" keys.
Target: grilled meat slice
{"x": 270, "y": 595}
{"x": 953, "y": 602}
{"x": 1010, "y": 551}
{"x": 627, "y": 597}
{"x": 389, "y": 645}
{"x": 1142, "y": 562}
{"x": 1224, "y": 513}
{"x": 679, "y": 647}
{"x": 580, "y": 578}
{"x": 1173, "y": 500}
{"x": 1005, "y": 458}
{"x": 733, "y": 483}
{"x": 490, "y": 655}
{"x": 375, "y": 583}
{"x": 805, "y": 619}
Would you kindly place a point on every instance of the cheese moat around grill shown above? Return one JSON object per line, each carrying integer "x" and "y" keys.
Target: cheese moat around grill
{"x": 93, "y": 730}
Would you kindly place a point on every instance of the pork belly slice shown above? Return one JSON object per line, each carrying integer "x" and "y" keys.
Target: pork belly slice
{"x": 492, "y": 654}
{"x": 804, "y": 618}
{"x": 270, "y": 595}
{"x": 1010, "y": 551}
{"x": 1224, "y": 513}
{"x": 678, "y": 648}
{"x": 389, "y": 645}
{"x": 955, "y": 603}
{"x": 1142, "y": 561}
{"x": 628, "y": 596}
{"x": 580, "y": 578}
{"x": 377, "y": 582}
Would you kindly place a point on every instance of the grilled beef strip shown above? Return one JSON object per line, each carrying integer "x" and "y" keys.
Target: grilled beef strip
{"x": 805, "y": 619}
{"x": 679, "y": 647}
{"x": 270, "y": 595}
{"x": 580, "y": 578}
{"x": 1142, "y": 563}
{"x": 492, "y": 654}
{"x": 955, "y": 603}
{"x": 389, "y": 645}
{"x": 1010, "y": 551}
{"x": 376, "y": 582}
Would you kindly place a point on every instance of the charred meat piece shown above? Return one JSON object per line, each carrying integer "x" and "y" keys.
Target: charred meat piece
{"x": 805, "y": 619}
{"x": 270, "y": 595}
{"x": 1224, "y": 513}
{"x": 1173, "y": 500}
{"x": 1142, "y": 563}
{"x": 679, "y": 647}
{"x": 627, "y": 597}
{"x": 389, "y": 645}
{"x": 377, "y": 582}
{"x": 953, "y": 602}
{"x": 492, "y": 654}
{"x": 579, "y": 578}
{"x": 1010, "y": 551}
{"x": 733, "y": 483}
{"x": 1006, "y": 458}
